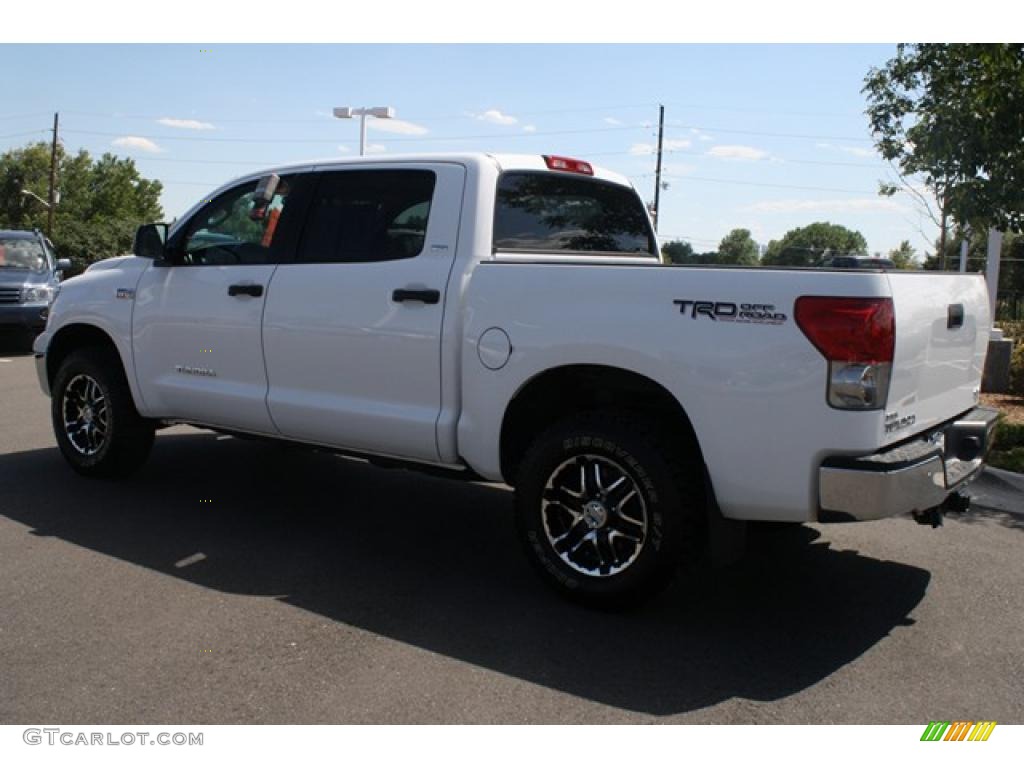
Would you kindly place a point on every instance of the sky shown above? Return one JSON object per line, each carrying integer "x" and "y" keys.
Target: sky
{"x": 765, "y": 137}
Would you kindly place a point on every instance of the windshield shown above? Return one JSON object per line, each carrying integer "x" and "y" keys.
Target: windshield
{"x": 556, "y": 212}
{"x": 22, "y": 254}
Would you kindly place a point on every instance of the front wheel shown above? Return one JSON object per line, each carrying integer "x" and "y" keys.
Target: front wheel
{"x": 606, "y": 511}
{"x": 98, "y": 430}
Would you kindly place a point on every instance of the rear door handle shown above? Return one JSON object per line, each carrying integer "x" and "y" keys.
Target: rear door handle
{"x": 245, "y": 289}
{"x": 426, "y": 295}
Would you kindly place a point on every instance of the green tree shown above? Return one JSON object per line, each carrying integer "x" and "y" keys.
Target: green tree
{"x": 677, "y": 252}
{"x": 681, "y": 252}
{"x": 952, "y": 115}
{"x": 738, "y": 247}
{"x": 806, "y": 246}
{"x": 904, "y": 257}
{"x": 101, "y": 201}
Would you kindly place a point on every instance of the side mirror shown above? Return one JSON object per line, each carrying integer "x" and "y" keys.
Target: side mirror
{"x": 63, "y": 264}
{"x": 149, "y": 241}
{"x": 265, "y": 190}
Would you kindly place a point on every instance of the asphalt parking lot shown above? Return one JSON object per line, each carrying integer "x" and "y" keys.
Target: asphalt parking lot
{"x": 234, "y": 582}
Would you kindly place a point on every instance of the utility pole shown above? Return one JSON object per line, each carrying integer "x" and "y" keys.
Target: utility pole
{"x": 53, "y": 178}
{"x": 657, "y": 173}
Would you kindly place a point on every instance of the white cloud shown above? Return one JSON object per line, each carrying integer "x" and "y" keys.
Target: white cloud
{"x": 192, "y": 125}
{"x": 613, "y": 121}
{"x": 497, "y": 117}
{"x": 344, "y": 149}
{"x": 737, "y": 152}
{"x": 530, "y": 128}
{"x": 705, "y": 137}
{"x": 137, "y": 142}
{"x": 669, "y": 145}
{"x": 396, "y": 126}
{"x": 375, "y": 149}
{"x": 827, "y": 206}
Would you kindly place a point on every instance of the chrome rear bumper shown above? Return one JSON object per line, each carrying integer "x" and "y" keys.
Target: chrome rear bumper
{"x": 912, "y": 477}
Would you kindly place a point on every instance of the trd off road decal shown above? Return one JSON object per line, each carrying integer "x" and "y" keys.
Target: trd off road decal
{"x": 726, "y": 311}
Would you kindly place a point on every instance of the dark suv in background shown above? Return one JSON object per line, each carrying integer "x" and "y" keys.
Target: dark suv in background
{"x": 30, "y": 274}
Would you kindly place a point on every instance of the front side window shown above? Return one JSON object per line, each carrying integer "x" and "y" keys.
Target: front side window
{"x": 362, "y": 216}
{"x": 549, "y": 212}
{"x": 233, "y": 229}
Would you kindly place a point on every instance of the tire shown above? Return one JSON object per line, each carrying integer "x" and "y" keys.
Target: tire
{"x": 98, "y": 430}
{"x": 607, "y": 511}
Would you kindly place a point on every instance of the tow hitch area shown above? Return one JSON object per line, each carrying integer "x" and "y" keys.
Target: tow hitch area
{"x": 958, "y": 503}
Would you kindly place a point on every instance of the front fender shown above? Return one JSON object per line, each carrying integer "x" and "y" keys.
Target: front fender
{"x": 103, "y": 298}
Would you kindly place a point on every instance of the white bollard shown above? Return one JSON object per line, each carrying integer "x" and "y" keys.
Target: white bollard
{"x": 995, "y": 244}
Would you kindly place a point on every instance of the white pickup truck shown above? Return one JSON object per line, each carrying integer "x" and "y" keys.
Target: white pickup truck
{"x": 509, "y": 318}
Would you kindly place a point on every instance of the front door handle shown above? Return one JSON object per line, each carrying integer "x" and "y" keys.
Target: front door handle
{"x": 245, "y": 289}
{"x": 426, "y": 295}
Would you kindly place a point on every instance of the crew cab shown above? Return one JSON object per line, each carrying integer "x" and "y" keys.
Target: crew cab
{"x": 509, "y": 318}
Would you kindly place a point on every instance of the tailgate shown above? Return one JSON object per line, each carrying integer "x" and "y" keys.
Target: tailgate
{"x": 942, "y": 333}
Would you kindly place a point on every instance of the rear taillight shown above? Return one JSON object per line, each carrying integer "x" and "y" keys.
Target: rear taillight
{"x": 556, "y": 163}
{"x": 856, "y": 336}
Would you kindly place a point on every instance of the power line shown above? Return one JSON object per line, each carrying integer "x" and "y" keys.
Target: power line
{"x": 747, "y": 110}
{"x": 772, "y": 133}
{"x": 334, "y": 140}
{"x": 328, "y": 118}
{"x": 845, "y": 164}
{"x": 24, "y": 133}
{"x": 210, "y": 184}
{"x": 503, "y": 136}
{"x": 19, "y": 117}
{"x": 766, "y": 184}
{"x": 264, "y": 163}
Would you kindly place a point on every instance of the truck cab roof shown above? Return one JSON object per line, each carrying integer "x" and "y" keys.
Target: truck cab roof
{"x": 503, "y": 162}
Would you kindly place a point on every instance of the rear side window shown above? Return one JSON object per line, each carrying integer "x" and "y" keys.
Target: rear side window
{"x": 361, "y": 216}
{"x": 554, "y": 212}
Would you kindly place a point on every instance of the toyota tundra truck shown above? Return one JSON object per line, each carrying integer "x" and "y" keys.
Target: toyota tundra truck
{"x": 509, "y": 319}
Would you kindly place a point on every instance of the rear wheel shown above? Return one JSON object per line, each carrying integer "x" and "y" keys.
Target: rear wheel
{"x": 606, "y": 511}
{"x": 98, "y": 430}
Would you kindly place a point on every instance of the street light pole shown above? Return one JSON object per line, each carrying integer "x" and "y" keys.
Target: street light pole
{"x": 383, "y": 113}
{"x": 34, "y": 196}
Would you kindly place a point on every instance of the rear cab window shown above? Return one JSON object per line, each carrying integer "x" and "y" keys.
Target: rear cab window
{"x": 546, "y": 212}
